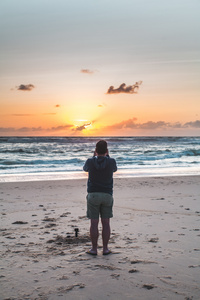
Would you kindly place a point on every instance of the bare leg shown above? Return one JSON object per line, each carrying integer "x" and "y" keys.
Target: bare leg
{"x": 105, "y": 234}
{"x": 94, "y": 234}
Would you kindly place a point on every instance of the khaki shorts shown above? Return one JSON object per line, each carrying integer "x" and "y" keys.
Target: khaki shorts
{"x": 99, "y": 204}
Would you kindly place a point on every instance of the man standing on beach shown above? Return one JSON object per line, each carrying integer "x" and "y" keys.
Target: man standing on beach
{"x": 100, "y": 170}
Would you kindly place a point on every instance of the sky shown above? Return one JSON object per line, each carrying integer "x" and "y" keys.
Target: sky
{"x": 99, "y": 68}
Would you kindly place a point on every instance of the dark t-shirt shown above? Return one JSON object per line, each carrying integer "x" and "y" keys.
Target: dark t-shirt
{"x": 100, "y": 178}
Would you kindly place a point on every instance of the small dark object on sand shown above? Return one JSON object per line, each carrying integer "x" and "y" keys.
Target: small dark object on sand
{"x": 20, "y": 222}
{"x": 76, "y": 232}
{"x": 148, "y": 286}
{"x": 153, "y": 240}
{"x": 133, "y": 271}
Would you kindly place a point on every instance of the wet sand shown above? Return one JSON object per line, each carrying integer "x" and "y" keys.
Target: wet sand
{"x": 155, "y": 241}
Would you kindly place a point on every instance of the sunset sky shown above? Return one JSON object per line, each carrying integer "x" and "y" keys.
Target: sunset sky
{"x": 99, "y": 67}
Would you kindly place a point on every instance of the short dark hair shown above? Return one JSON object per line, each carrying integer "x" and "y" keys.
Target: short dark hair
{"x": 101, "y": 147}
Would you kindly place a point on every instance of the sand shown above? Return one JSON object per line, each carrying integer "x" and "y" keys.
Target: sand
{"x": 155, "y": 241}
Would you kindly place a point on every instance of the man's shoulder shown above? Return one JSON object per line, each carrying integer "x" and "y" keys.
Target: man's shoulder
{"x": 87, "y": 164}
{"x": 89, "y": 160}
{"x": 111, "y": 159}
{"x": 113, "y": 164}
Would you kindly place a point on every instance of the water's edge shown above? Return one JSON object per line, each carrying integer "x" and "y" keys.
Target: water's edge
{"x": 52, "y": 176}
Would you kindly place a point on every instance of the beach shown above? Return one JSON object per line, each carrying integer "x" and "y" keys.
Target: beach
{"x": 155, "y": 241}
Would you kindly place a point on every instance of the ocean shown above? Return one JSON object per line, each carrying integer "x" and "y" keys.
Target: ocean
{"x": 52, "y": 158}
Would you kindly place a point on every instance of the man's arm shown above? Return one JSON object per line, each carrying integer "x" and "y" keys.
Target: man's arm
{"x": 86, "y": 166}
{"x": 114, "y": 165}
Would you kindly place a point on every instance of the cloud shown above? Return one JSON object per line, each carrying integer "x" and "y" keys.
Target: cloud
{"x": 195, "y": 124}
{"x": 154, "y": 125}
{"x": 25, "y": 129}
{"x": 7, "y": 129}
{"x": 87, "y": 71}
{"x": 61, "y": 127}
{"x": 35, "y": 129}
{"x": 150, "y": 125}
{"x": 25, "y": 87}
{"x": 82, "y": 127}
{"x": 124, "y": 124}
{"x": 131, "y": 89}
{"x": 177, "y": 125}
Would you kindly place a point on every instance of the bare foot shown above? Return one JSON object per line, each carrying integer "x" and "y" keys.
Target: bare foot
{"x": 106, "y": 252}
{"x": 91, "y": 252}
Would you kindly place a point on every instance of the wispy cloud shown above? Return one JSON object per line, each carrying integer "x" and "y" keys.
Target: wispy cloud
{"x": 35, "y": 129}
{"x": 150, "y": 125}
{"x": 27, "y": 115}
{"x": 175, "y": 61}
{"x": 27, "y": 129}
{"x": 87, "y": 71}
{"x": 61, "y": 127}
{"x": 102, "y": 105}
{"x": 81, "y": 127}
{"x": 131, "y": 89}
{"x": 25, "y": 87}
{"x": 22, "y": 115}
{"x": 195, "y": 124}
{"x": 131, "y": 123}
{"x": 123, "y": 125}
{"x": 154, "y": 125}
{"x": 7, "y": 129}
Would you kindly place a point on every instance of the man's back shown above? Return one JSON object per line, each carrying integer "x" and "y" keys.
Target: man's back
{"x": 100, "y": 177}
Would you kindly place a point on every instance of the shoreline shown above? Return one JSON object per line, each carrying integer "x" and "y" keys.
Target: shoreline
{"x": 155, "y": 241}
{"x": 115, "y": 178}
{"x": 121, "y": 173}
